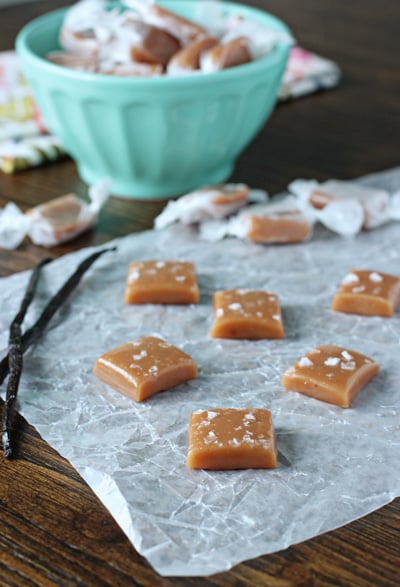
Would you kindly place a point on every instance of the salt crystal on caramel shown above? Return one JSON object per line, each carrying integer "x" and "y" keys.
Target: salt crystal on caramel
{"x": 161, "y": 282}
{"x": 229, "y": 438}
{"x": 369, "y": 293}
{"x": 247, "y": 314}
{"x": 331, "y": 374}
{"x": 144, "y": 367}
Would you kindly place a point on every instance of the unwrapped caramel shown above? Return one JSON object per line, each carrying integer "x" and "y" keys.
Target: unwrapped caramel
{"x": 247, "y": 314}
{"x": 144, "y": 367}
{"x": 369, "y": 293}
{"x": 330, "y": 373}
{"x": 161, "y": 282}
{"x": 278, "y": 227}
{"x": 229, "y": 438}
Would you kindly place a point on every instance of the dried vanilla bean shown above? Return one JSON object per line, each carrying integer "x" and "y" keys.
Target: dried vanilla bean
{"x": 32, "y": 335}
{"x": 15, "y": 358}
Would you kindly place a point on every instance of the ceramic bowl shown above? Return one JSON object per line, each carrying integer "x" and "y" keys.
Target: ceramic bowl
{"x": 153, "y": 137}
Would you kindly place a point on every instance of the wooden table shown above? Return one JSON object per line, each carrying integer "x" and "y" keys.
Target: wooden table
{"x": 53, "y": 530}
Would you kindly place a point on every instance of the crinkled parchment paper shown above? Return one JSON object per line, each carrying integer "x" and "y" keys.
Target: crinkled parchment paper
{"x": 335, "y": 466}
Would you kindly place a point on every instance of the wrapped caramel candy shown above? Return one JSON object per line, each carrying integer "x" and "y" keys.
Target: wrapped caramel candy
{"x": 55, "y": 222}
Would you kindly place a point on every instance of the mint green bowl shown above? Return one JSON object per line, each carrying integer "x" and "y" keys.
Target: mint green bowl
{"x": 153, "y": 137}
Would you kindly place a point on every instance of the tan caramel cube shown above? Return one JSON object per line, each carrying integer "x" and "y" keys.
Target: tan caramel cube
{"x": 142, "y": 368}
{"x": 368, "y": 293}
{"x": 248, "y": 314}
{"x": 161, "y": 282}
{"x": 228, "y": 438}
{"x": 278, "y": 227}
{"x": 331, "y": 374}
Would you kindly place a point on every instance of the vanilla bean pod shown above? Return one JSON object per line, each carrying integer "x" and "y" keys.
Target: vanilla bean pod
{"x": 32, "y": 335}
{"x": 15, "y": 358}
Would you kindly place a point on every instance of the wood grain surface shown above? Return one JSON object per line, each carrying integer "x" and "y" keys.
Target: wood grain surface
{"x": 53, "y": 530}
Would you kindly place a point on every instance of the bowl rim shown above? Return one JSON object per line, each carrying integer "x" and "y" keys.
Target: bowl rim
{"x": 26, "y": 54}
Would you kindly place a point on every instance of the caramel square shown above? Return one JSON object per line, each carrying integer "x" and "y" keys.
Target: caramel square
{"x": 369, "y": 293}
{"x": 161, "y": 282}
{"x": 229, "y": 438}
{"x": 278, "y": 227}
{"x": 247, "y": 314}
{"x": 142, "y": 368}
{"x": 331, "y": 374}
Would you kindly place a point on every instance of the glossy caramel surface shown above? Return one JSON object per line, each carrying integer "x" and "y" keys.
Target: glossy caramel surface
{"x": 229, "y": 438}
{"x": 370, "y": 293}
{"x": 249, "y": 314}
{"x": 330, "y": 373}
{"x": 286, "y": 227}
{"x": 143, "y": 367}
{"x": 161, "y": 282}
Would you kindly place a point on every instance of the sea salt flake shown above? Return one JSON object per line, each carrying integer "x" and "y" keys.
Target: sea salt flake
{"x": 141, "y": 355}
{"x": 332, "y": 361}
{"x": 348, "y": 365}
{"x": 134, "y": 275}
{"x": 305, "y": 362}
{"x": 211, "y": 437}
{"x": 248, "y": 439}
{"x": 375, "y": 277}
{"x": 350, "y": 278}
{"x": 235, "y": 306}
{"x": 347, "y": 356}
{"x": 358, "y": 289}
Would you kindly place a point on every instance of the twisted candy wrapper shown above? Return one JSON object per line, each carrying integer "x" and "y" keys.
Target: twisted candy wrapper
{"x": 54, "y": 222}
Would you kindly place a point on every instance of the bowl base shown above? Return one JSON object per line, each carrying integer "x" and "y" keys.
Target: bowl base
{"x": 156, "y": 190}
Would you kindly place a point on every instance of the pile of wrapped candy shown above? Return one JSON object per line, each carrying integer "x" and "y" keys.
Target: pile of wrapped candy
{"x": 141, "y": 38}
{"x": 235, "y": 210}
{"x": 131, "y": 43}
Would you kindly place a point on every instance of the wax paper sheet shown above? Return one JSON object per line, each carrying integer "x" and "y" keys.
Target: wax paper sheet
{"x": 335, "y": 465}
